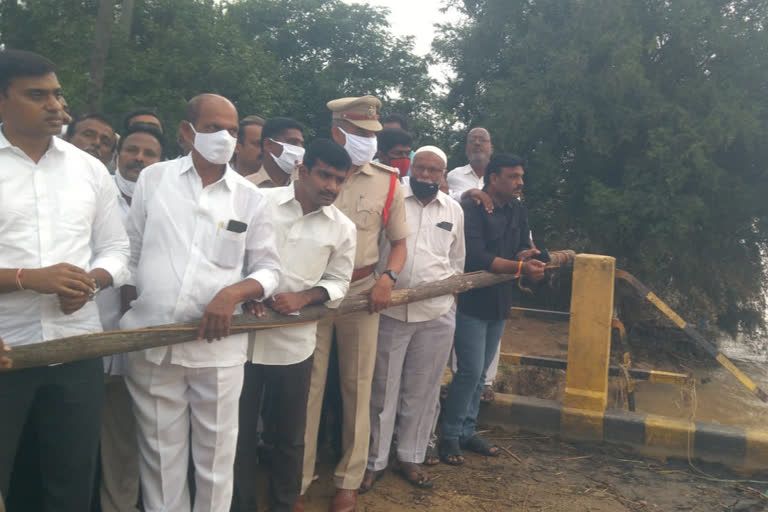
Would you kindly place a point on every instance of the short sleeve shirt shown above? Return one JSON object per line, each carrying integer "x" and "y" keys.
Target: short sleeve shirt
{"x": 362, "y": 199}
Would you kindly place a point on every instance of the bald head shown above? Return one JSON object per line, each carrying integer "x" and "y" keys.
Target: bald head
{"x": 208, "y": 113}
{"x": 206, "y": 100}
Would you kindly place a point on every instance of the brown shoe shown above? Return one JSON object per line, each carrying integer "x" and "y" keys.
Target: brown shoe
{"x": 344, "y": 501}
{"x": 299, "y": 505}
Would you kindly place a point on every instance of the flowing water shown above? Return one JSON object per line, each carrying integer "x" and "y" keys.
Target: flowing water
{"x": 719, "y": 396}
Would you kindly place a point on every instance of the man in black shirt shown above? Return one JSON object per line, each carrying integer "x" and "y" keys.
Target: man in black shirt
{"x": 498, "y": 242}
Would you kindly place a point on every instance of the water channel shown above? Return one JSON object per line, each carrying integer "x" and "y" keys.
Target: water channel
{"x": 719, "y": 396}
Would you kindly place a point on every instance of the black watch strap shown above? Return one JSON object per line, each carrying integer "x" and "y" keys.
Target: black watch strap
{"x": 391, "y": 275}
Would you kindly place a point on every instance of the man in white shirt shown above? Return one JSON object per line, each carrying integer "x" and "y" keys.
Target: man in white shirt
{"x": 415, "y": 339}
{"x": 61, "y": 241}
{"x": 470, "y": 177}
{"x": 316, "y": 244}
{"x": 201, "y": 244}
{"x": 139, "y": 147}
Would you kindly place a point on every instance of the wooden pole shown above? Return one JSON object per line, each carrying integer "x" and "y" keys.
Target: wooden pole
{"x": 90, "y": 346}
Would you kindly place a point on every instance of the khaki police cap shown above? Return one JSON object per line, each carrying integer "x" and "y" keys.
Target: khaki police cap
{"x": 362, "y": 111}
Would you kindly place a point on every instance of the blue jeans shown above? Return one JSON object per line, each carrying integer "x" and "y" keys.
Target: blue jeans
{"x": 475, "y": 344}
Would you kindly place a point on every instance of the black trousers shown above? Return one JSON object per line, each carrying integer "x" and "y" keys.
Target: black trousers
{"x": 279, "y": 394}
{"x": 62, "y": 405}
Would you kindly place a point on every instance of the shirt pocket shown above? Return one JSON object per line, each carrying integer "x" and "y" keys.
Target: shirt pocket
{"x": 228, "y": 249}
{"x": 367, "y": 214}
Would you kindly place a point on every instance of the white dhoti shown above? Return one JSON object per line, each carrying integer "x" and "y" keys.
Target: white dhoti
{"x": 178, "y": 407}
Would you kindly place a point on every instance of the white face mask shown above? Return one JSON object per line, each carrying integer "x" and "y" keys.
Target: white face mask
{"x": 289, "y": 158}
{"x": 217, "y": 147}
{"x": 123, "y": 185}
{"x": 361, "y": 150}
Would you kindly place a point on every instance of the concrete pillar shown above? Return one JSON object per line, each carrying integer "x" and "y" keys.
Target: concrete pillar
{"x": 589, "y": 337}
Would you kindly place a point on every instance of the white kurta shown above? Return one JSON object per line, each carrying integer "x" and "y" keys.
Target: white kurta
{"x": 186, "y": 247}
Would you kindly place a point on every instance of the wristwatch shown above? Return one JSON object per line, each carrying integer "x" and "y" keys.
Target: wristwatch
{"x": 392, "y": 275}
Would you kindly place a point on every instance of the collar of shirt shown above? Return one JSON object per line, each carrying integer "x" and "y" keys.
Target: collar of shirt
{"x": 467, "y": 169}
{"x": 56, "y": 144}
{"x": 260, "y": 177}
{"x": 365, "y": 169}
{"x": 228, "y": 177}
{"x": 288, "y": 193}
{"x": 408, "y": 192}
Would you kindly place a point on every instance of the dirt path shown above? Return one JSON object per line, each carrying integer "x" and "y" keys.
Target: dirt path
{"x": 548, "y": 475}
{"x": 556, "y": 476}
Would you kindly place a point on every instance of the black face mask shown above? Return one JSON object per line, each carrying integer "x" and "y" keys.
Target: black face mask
{"x": 423, "y": 190}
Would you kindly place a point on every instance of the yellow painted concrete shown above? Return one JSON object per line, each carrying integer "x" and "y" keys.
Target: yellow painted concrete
{"x": 589, "y": 337}
{"x": 581, "y": 424}
{"x": 672, "y": 435}
{"x": 757, "y": 449}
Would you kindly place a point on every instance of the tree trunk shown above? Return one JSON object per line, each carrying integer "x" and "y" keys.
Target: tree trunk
{"x": 126, "y": 18}
{"x": 103, "y": 32}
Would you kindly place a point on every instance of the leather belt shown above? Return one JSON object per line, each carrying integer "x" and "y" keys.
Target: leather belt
{"x": 360, "y": 273}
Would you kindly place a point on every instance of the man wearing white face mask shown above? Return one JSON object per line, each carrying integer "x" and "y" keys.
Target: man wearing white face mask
{"x": 202, "y": 243}
{"x": 282, "y": 146}
{"x": 372, "y": 198}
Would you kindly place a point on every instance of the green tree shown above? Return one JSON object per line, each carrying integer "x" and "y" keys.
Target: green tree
{"x": 270, "y": 57}
{"x": 329, "y": 49}
{"x": 645, "y": 125}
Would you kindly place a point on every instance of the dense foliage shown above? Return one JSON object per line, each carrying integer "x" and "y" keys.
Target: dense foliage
{"x": 644, "y": 122}
{"x": 645, "y": 125}
{"x": 271, "y": 57}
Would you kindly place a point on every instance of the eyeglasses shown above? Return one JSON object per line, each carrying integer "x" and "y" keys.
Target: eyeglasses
{"x": 481, "y": 140}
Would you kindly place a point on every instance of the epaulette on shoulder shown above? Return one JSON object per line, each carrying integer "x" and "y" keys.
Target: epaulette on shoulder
{"x": 382, "y": 167}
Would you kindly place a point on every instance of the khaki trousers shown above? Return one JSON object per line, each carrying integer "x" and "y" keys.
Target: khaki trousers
{"x": 119, "y": 449}
{"x": 356, "y": 335}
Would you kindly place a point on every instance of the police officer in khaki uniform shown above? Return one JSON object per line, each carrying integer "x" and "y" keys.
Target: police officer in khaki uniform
{"x": 374, "y": 202}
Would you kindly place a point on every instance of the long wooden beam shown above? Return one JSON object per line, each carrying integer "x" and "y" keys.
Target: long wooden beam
{"x": 90, "y": 346}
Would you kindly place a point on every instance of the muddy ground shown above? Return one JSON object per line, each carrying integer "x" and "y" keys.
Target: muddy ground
{"x": 540, "y": 473}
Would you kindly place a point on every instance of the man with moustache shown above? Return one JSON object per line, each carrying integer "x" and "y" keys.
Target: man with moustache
{"x": 93, "y": 134}
{"x": 306, "y": 223}
{"x": 499, "y": 242}
{"x": 467, "y": 181}
{"x": 141, "y": 146}
{"x": 372, "y": 198}
{"x": 57, "y": 204}
{"x": 282, "y": 146}
{"x": 415, "y": 339}
{"x": 248, "y": 150}
{"x": 202, "y": 243}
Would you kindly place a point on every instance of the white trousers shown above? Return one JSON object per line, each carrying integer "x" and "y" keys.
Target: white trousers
{"x": 178, "y": 407}
{"x": 410, "y": 360}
